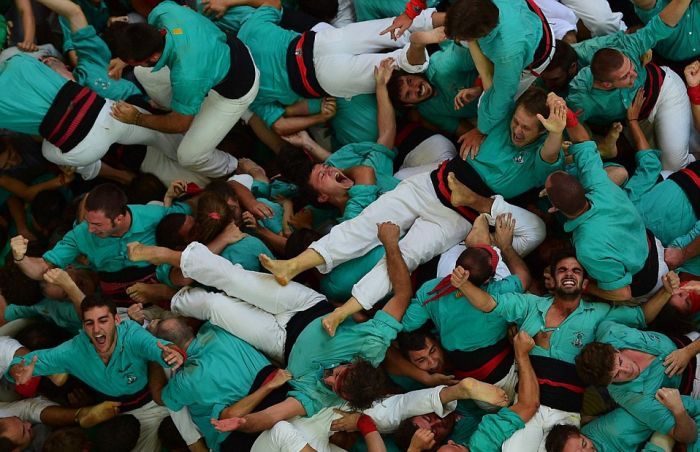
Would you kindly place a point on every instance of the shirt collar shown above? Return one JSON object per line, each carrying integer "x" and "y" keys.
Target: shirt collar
{"x": 167, "y": 54}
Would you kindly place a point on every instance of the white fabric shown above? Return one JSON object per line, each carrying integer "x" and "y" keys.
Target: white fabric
{"x": 183, "y": 421}
{"x": 26, "y": 409}
{"x": 430, "y": 228}
{"x": 149, "y": 416}
{"x": 509, "y": 384}
{"x": 346, "y": 14}
{"x": 560, "y": 18}
{"x": 345, "y": 58}
{"x": 8, "y": 348}
{"x": 663, "y": 269}
{"x": 448, "y": 261}
{"x": 528, "y": 76}
{"x": 426, "y": 157}
{"x": 532, "y": 437}
{"x": 164, "y": 165}
{"x": 597, "y": 16}
{"x": 254, "y": 307}
{"x": 106, "y": 131}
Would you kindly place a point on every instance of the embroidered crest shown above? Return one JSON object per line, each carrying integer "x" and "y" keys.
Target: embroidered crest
{"x": 130, "y": 378}
{"x": 578, "y": 339}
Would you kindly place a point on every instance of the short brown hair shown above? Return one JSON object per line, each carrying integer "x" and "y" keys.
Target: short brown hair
{"x": 363, "y": 384}
{"x": 595, "y": 363}
{"x": 566, "y": 193}
{"x": 534, "y": 101}
{"x": 604, "y": 62}
{"x": 471, "y": 19}
{"x": 559, "y": 435}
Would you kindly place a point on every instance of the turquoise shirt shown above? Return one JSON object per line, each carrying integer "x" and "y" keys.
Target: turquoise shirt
{"x": 93, "y": 61}
{"x": 638, "y": 396}
{"x": 314, "y": 351}
{"x": 268, "y": 44}
{"x": 355, "y": 120}
{"x": 602, "y": 235}
{"x": 510, "y": 170}
{"x": 450, "y": 70}
{"x": 377, "y": 156}
{"x": 453, "y": 311}
{"x": 127, "y": 370}
{"x": 97, "y": 16}
{"x": 601, "y": 106}
{"x": 219, "y": 371}
{"x": 62, "y": 313}
{"x": 195, "y": 51}
{"x": 233, "y": 20}
{"x": 576, "y": 331}
{"x": 684, "y": 42}
{"x": 693, "y": 265}
{"x": 35, "y": 86}
{"x": 337, "y": 285}
{"x": 511, "y": 48}
{"x": 494, "y": 430}
{"x": 379, "y": 9}
{"x": 108, "y": 254}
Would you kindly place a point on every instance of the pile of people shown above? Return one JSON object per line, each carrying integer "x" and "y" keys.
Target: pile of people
{"x": 322, "y": 225}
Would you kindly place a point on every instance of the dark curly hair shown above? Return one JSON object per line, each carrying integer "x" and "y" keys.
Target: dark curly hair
{"x": 471, "y": 19}
{"x": 595, "y": 363}
{"x": 559, "y": 435}
{"x": 363, "y": 384}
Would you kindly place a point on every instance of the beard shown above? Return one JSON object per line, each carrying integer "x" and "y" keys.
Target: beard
{"x": 568, "y": 294}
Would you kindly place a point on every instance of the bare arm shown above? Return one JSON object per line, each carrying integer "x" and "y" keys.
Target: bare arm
{"x": 71, "y": 11}
{"x": 156, "y": 382}
{"x": 528, "y": 387}
{"x": 28, "y": 192}
{"x": 265, "y": 419}
{"x": 399, "y": 276}
{"x": 289, "y": 125}
{"x": 685, "y": 430}
{"x": 477, "y": 297}
{"x": 386, "y": 116}
{"x": 484, "y": 66}
{"x": 62, "y": 279}
{"x": 24, "y": 9}
{"x": 172, "y": 122}
{"x": 654, "y": 305}
{"x": 674, "y": 11}
{"x": 33, "y": 267}
{"x": 248, "y": 403}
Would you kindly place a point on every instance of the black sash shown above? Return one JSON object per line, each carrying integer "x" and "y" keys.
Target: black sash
{"x": 645, "y": 279}
{"x": 114, "y": 284}
{"x": 301, "y": 320}
{"x": 467, "y": 175}
{"x": 544, "y": 48}
{"x": 652, "y": 88}
{"x": 560, "y": 386}
{"x": 689, "y": 180}
{"x": 128, "y": 402}
{"x": 300, "y": 66}
{"x": 489, "y": 364}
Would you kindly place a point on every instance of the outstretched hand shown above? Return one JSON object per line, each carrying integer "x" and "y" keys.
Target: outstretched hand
{"x": 398, "y": 27}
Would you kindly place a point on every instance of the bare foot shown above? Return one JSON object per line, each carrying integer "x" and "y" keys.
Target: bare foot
{"x": 478, "y": 390}
{"x": 479, "y": 233}
{"x": 608, "y": 146}
{"x": 147, "y": 293}
{"x": 461, "y": 195}
{"x": 280, "y": 269}
{"x": 331, "y": 321}
{"x": 97, "y": 414}
{"x": 228, "y": 425}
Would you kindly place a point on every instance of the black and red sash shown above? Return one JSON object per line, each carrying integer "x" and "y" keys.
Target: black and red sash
{"x": 467, "y": 175}
{"x": 560, "y": 386}
{"x": 688, "y": 376}
{"x": 544, "y": 48}
{"x": 114, "y": 284}
{"x": 645, "y": 279}
{"x": 300, "y": 66}
{"x": 489, "y": 364}
{"x": 652, "y": 88}
{"x": 689, "y": 180}
{"x": 71, "y": 116}
{"x": 128, "y": 402}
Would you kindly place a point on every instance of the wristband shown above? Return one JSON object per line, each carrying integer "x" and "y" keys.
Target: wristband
{"x": 571, "y": 118}
{"x": 137, "y": 119}
{"x": 366, "y": 425}
{"x": 478, "y": 82}
{"x": 694, "y": 94}
{"x": 28, "y": 389}
{"x": 414, "y": 8}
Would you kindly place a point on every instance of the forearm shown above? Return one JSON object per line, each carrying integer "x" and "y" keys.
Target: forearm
{"x": 315, "y": 150}
{"x": 76, "y": 296}
{"x": 674, "y": 12}
{"x": 551, "y": 147}
{"x": 58, "y": 416}
{"x": 396, "y": 364}
{"x": 266, "y": 134}
{"x": 375, "y": 443}
{"x": 400, "y": 279}
{"x": 685, "y": 430}
{"x": 172, "y": 122}
{"x": 289, "y": 125}
{"x": 386, "y": 117}
{"x": 528, "y": 388}
{"x": 517, "y": 266}
{"x": 156, "y": 382}
{"x": 300, "y": 108}
{"x": 638, "y": 137}
{"x": 24, "y": 9}
{"x": 28, "y": 192}
{"x": 244, "y": 195}
{"x": 692, "y": 249}
{"x": 477, "y": 297}
{"x": 247, "y": 404}
{"x": 654, "y": 305}
{"x": 415, "y": 54}
{"x": 33, "y": 267}
{"x": 578, "y": 133}
{"x": 484, "y": 66}
{"x": 71, "y": 11}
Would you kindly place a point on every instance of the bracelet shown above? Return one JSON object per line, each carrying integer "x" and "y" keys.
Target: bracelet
{"x": 366, "y": 425}
{"x": 414, "y": 8}
{"x": 137, "y": 119}
{"x": 479, "y": 83}
{"x": 694, "y": 94}
{"x": 571, "y": 118}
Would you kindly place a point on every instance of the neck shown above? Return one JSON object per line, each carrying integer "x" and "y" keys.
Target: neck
{"x": 583, "y": 210}
{"x": 566, "y": 306}
{"x": 602, "y": 86}
{"x": 340, "y": 201}
{"x": 126, "y": 226}
{"x": 186, "y": 345}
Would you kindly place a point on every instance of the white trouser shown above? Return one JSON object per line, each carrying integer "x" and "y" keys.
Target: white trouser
{"x": 560, "y": 18}
{"x": 672, "y": 121}
{"x": 426, "y": 157}
{"x": 217, "y": 115}
{"x": 164, "y": 165}
{"x": 106, "y": 131}
{"x": 695, "y": 393}
{"x": 345, "y": 58}
{"x": 386, "y": 414}
{"x": 597, "y": 16}
{"x": 149, "y": 416}
{"x": 430, "y": 228}
{"x": 663, "y": 269}
{"x": 508, "y": 384}
{"x": 532, "y": 437}
{"x": 255, "y": 308}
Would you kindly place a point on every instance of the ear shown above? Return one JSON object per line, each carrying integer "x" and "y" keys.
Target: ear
{"x": 117, "y": 319}
{"x": 584, "y": 286}
{"x": 322, "y": 198}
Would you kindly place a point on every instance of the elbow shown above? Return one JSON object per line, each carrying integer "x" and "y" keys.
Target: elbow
{"x": 530, "y": 409}
{"x": 688, "y": 437}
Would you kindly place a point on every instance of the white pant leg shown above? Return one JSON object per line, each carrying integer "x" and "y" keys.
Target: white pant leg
{"x": 561, "y": 18}
{"x": 434, "y": 149}
{"x": 185, "y": 426}
{"x": 663, "y": 269}
{"x": 388, "y": 413}
{"x": 149, "y": 416}
{"x": 164, "y": 166}
{"x": 216, "y": 117}
{"x": 672, "y": 121}
{"x": 258, "y": 289}
{"x": 530, "y": 230}
{"x": 250, "y": 323}
{"x": 157, "y": 84}
{"x": 532, "y": 437}
{"x": 282, "y": 437}
{"x": 597, "y": 16}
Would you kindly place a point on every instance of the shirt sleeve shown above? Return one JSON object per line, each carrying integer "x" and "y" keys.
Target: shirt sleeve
{"x": 685, "y": 239}
{"x": 188, "y": 94}
{"x": 646, "y": 409}
{"x": 361, "y": 196}
{"x": 50, "y": 361}
{"x": 610, "y": 274}
{"x": 646, "y": 175}
{"x": 145, "y": 344}
{"x": 590, "y": 167}
{"x": 514, "y": 307}
{"x": 631, "y": 316}
{"x": 388, "y": 413}
{"x": 497, "y": 102}
{"x": 67, "y": 35}
{"x": 269, "y": 112}
{"x": 66, "y": 250}
{"x": 637, "y": 43}
{"x": 90, "y": 47}
{"x": 27, "y": 409}
{"x": 378, "y": 333}
{"x": 416, "y": 315}
{"x": 176, "y": 393}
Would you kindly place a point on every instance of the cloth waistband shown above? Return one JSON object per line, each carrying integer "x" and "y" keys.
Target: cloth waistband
{"x": 301, "y": 320}
{"x": 300, "y": 66}
{"x": 467, "y": 175}
{"x": 71, "y": 116}
{"x": 689, "y": 180}
{"x": 114, "y": 284}
{"x": 128, "y": 402}
{"x": 645, "y": 279}
{"x": 652, "y": 88}
{"x": 560, "y": 386}
{"x": 544, "y": 48}
{"x": 489, "y": 364}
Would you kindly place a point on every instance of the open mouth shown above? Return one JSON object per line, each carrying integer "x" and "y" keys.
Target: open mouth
{"x": 568, "y": 282}
{"x": 101, "y": 339}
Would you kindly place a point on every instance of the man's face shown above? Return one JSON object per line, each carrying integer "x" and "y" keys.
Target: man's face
{"x": 186, "y": 231}
{"x": 328, "y": 182}
{"x": 524, "y": 127}
{"x": 625, "y": 76}
{"x": 451, "y": 446}
{"x": 569, "y": 281}
{"x": 579, "y": 443}
{"x": 414, "y": 89}
{"x": 100, "y": 225}
{"x": 555, "y": 78}
{"x": 430, "y": 358}
{"x": 333, "y": 378}
{"x": 441, "y": 427}
{"x": 58, "y": 66}
{"x": 101, "y": 327}
{"x": 681, "y": 302}
{"x": 624, "y": 369}
{"x": 17, "y": 431}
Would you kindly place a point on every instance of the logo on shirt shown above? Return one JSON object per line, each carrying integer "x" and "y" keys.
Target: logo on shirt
{"x": 578, "y": 339}
{"x": 131, "y": 378}
{"x": 177, "y": 31}
{"x": 519, "y": 159}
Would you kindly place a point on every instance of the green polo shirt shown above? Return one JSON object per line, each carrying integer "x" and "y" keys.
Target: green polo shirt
{"x": 451, "y": 312}
{"x": 127, "y": 370}
{"x": 602, "y": 235}
{"x": 355, "y": 120}
{"x": 268, "y": 44}
{"x": 601, "y": 106}
{"x": 691, "y": 266}
{"x": 108, "y": 254}
{"x": 62, "y": 313}
{"x": 684, "y": 41}
{"x": 314, "y": 351}
{"x": 97, "y": 15}
{"x": 219, "y": 371}
{"x": 510, "y": 170}
{"x": 511, "y": 48}
{"x": 575, "y": 332}
{"x": 233, "y": 20}
{"x": 35, "y": 86}
{"x": 93, "y": 61}
{"x": 450, "y": 70}
{"x": 337, "y": 285}
{"x": 379, "y": 9}
{"x": 494, "y": 430}
{"x": 195, "y": 51}
{"x": 638, "y": 396}
{"x": 377, "y": 156}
